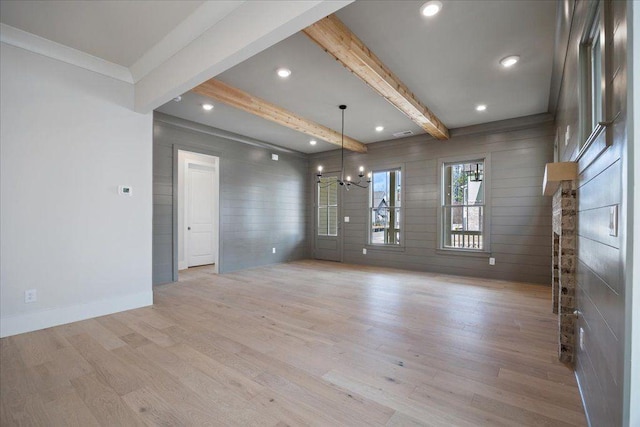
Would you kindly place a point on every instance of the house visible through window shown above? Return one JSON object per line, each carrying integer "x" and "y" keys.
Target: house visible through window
{"x": 463, "y": 204}
{"x": 385, "y": 207}
{"x": 328, "y": 206}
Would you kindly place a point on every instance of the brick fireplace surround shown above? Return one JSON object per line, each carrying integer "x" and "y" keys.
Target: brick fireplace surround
{"x": 564, "y": 267}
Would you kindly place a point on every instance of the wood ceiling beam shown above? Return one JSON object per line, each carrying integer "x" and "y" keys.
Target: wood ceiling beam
{"x": 337, "y": 40}
{"x": 215, "y": 89}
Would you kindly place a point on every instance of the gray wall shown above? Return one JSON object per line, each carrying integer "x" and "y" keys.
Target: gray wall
{"x": 263, "y": 202}
{"x": 520, "y": 216}
{"x": 601, "y": 184}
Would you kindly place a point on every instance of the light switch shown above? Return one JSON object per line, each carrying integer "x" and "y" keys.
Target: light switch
{"x": 125, "y": 190}
{"x": 613, "y": 220}
{"x": 346, "y": 219}
{"x": 274, "y": 157}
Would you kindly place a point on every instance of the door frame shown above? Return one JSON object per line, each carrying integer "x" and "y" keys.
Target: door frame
{"x": 219, "y": 268}
{"x": 215, "y": 217}
{"x": 314, "y": 229}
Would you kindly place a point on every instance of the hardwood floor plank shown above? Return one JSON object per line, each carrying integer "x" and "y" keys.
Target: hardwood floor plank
{"x": 69, "y": 410}
{"x": 303, "y": 343}
{"x": 104, "y": 403}
{"x": 109, "y": 369}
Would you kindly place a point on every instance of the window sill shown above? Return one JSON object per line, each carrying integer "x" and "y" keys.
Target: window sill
{"x": 463, "y": 252}
{"x": 384, "y": 248}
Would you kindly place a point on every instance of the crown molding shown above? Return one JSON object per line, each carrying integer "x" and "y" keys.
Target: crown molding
{"x": 36, "y": 44}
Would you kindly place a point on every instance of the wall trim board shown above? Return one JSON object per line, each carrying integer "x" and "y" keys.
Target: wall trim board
{"x": 27, "y": 41}
{"x": 209, "y": 130}
{"x": 631, "y": 389}
{"x": 19, "y": 324}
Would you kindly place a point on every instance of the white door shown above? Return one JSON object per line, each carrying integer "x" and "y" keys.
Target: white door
{"x": 200, "y": 214}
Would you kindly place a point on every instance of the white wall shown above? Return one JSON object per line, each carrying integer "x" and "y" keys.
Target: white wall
{"x": 68, "y": 138}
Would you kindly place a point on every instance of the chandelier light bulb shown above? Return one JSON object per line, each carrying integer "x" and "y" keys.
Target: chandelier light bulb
{"x": 319, "y": 168}
{"x": 348, "y": 178}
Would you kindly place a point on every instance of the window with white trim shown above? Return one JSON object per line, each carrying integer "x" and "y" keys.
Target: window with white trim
{"x": 463, "y": 205}
{"x": 591, "y": 76}
{"x": 385, "y": 207}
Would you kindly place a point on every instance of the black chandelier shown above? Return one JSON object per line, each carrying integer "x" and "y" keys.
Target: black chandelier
{"x": 346, "y": 181}
{"x": 475, "y": 175}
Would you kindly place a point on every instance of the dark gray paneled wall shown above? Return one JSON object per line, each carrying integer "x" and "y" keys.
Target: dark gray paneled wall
{"x": 520, "y": 215}
{"x": 601, "y": 184}
{"x": 263, "y": 202}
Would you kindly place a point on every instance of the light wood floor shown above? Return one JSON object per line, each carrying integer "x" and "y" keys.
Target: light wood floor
{"x": 305, "y": 343}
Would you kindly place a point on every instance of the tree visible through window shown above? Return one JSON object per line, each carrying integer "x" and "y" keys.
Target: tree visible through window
{"x": 385, "y": 207}
{"x": 463, "y": 205}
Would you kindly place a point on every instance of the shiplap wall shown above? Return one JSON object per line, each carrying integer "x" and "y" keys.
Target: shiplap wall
{"x": 520, "y": 215}
{"x": 263, "y": 202}
{"x": 601, "y": 183}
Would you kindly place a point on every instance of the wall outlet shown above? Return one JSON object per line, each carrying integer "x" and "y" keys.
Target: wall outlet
{"x": 364, "y": 251}
{"x": 30, "y": 295}
{"x": 274, "y": 157}
{"x": 273, "y": 250}
{"x": 492, "y": 261}
{"x": 581, "y": 335}
{"x": 346, "y": 219}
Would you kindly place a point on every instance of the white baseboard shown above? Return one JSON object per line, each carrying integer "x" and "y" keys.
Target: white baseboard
{"x": 21, "y": 323}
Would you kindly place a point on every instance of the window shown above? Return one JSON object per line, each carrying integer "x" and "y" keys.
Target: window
{"x": 328, "y": 206}
{"x": 385, "y": 207}
{"x": 591, "y": 58}
{"x": 463, "y": 205}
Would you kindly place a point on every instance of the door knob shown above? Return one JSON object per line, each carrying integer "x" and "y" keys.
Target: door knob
{"x": 188, "y": 228}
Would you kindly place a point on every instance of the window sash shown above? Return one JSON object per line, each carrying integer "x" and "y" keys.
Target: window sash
{"x": 462, "y": 221}
{"x": 465, "y": 236}
{"x": 385, "y": 223}
{"x": 327, "y": 211}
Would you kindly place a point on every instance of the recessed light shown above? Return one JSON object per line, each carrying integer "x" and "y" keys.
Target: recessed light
{"x": 283, "y": 72}
{"x": 207, "y": 107}
{"x": 379, "y": 128}
{"x": 481, "y": 107}
{"x": 313, "y": 142}
{"x": 509, "y": 61}
{"x": 431, "y": 8}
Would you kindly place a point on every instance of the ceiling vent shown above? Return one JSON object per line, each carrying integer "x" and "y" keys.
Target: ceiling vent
{"x": 403, "y": 133}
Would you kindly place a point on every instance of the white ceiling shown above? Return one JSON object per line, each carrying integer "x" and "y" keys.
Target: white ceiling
{"x": 117, "y": 31}
{"x": 450, "y": 62}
